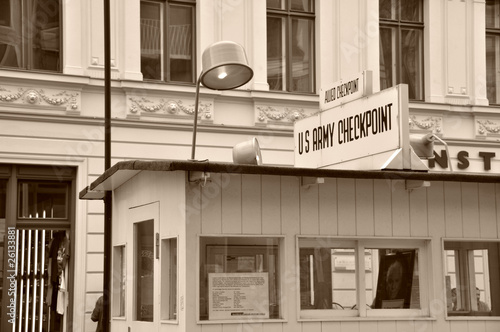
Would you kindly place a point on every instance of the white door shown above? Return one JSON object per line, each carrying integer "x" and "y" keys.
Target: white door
{"x": 143, "y": 266}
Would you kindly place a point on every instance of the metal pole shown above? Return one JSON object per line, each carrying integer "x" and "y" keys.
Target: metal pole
{"x": 107, "y": 165}
{"x": 195, "y": 123}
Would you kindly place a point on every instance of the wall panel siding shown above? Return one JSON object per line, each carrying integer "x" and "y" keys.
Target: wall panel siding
{"x": 400, "y": 210}
{"x": 487, "y": 211}
{"x": 251, "y": 209}
{"x": 346, "y": 206}
{"x": 327, "y": 205}
{"x": 309, "y": 209}
{"x": 231, "y": 203}
{"x": 364, "y": 207}
{"x": 382, "y": 207}
{"x": 271, "y": 200}
{"x": 470, "y": 209}
{"x": 418, "y": 212}
{"x": 211, "y": 217}
{"x": 453, "y": 209}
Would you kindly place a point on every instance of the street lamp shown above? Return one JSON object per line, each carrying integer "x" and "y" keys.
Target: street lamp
{"x": 224, "y": 67}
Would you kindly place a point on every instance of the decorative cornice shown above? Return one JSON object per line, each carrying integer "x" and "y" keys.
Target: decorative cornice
{"x": 143, "y": 105}
{"x": 38, "y": 97}
{"x": 485, "y": 127}
{"x": 284, "y": 116}
{"x": 426, "y": 123}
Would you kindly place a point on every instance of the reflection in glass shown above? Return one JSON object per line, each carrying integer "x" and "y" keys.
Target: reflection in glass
{"x": 169, "y": 279}
{"x": 43, "y": 200}
{"x": 119, "y": 278}
{"x": 144, "y": 270}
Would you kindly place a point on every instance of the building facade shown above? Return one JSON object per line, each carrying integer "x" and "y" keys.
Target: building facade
{"x": 52, "y": 110}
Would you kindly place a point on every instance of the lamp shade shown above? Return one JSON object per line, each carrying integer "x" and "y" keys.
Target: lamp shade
{"x": 225, "y": 66}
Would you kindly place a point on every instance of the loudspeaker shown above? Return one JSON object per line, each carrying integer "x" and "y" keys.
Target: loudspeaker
{"x": 423, "y": 145}
{"x": 247, "y": 152}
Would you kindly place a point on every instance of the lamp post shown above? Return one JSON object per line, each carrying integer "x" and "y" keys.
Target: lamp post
{"x": 224, "y": 67}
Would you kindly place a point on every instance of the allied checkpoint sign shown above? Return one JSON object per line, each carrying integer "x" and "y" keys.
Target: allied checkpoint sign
{"x": 346, "y": 90}
{"x": 366, "y": 133}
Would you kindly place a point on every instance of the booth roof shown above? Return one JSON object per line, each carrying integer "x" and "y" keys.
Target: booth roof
{"x": 122, "y": 171}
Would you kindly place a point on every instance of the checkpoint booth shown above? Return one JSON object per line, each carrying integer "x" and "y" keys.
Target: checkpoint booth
{"x": 357, "y": 236}
{"x": 218, "y": 247}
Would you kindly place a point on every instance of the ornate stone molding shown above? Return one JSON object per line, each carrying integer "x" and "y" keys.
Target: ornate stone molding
{"x": 39, "y": 97}
{"x": 426, "y": 123}
{"x": 283, "y": 116}
{"x": 487, "y": 127}
{"x": 173, "y": 108}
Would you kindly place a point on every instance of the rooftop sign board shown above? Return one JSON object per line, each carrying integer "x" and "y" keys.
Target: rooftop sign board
{"x": 346, "y": 90}
{"x": 374, "y": 126}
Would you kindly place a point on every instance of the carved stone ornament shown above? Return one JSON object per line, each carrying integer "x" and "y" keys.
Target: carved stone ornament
{"x": 426, "y": 123}
{"x": 488, "y": 127}
{"x": 286, "y": 115}
{"x": 40, "y": 97}
{"x": 140, "y": 105}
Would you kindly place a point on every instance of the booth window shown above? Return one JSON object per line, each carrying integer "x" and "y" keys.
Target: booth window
{"x": 401, "y": 45}
{"x": 240, "y": 278}
{"x": 290, "y": 45}
{"x": 472, "y": 277}
{"x": 144, "y": 242}
{"x": 169, "y": 279}
{"x": 30, "y": 34}
{"x": 493, "y": 50}
{"x": 167, "y": 40}
{"x": 361, "y": 278}
{"x": 119, "y": 279}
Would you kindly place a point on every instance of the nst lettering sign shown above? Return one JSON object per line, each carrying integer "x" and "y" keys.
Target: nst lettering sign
{"x": 346, "y": 90}
{"x": 364, "y": 127}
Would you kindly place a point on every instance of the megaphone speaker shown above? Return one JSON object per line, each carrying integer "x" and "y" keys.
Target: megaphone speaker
{"x": 423, "y": 145}
{"x": 247, "y": 152}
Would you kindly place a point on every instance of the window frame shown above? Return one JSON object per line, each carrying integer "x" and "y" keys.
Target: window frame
{"x": 287, "y": 14}
{"x": 26, "y": 45}
{"x": 494, "y": 32}
{"x": 204, "y": 240}
{"x": 165, "y": 71}
{"x": 399, "y": 25}
{"x": 167, "y": 285}
{"x": 360, "y": 244}
{"x": 469, "y": 245}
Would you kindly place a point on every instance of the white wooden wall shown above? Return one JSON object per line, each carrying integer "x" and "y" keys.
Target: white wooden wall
{"x": 274, "y": 205}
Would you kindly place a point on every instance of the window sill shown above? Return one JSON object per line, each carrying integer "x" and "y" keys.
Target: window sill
{"x": 366, "y": 319}
{"x": 240, "y": 321}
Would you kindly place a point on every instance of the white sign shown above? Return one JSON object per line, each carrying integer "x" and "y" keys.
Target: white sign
{"x": 360, "y": 128}
{"x": 238, "y": 295}
{"x": 346, "y": 90}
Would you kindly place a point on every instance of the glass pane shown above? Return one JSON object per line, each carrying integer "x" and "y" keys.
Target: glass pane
{"x": 151, "y": 40}
{"x": 482, "y": 280}
{"x": 302, "y": 55}
{"x": 46, "y": 32}
{"x": 240, "y": 279}
{"x": 10, "y": 34}
{"x": 276, "y": 4}
{"x": 397, "y": 280}
{"x": 411, "y": 10}
{"x": 43, "y": 200}
{"x": 276, "y": 56}
{"x": 492, "y": 14}
{"x": 180, "y": 44}
{"x": 387, "y": 57}
{"x": 387, "y": 9}
{"x": 302, "y": 5}
{"x": 493, "y": 68}
{"x": 119, "y": 278}
{"x": 169, "y": 279}
{"x": 411, "y": 62}
{"x": 144, "y": 271}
